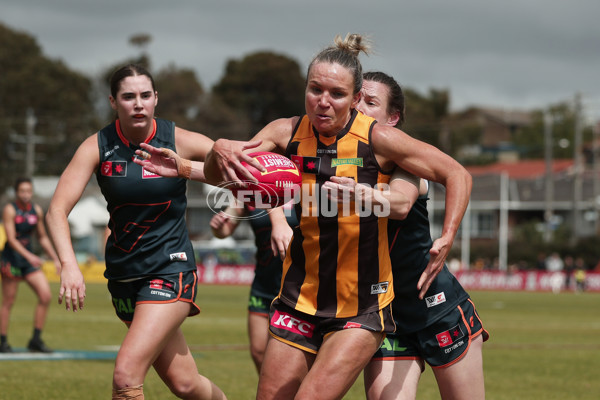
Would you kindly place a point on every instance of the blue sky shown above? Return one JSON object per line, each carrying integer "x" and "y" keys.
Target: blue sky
{"x": 513, "y": 54}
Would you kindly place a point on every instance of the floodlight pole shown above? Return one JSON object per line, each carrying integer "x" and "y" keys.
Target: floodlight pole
{"x": 579, "y": 166}
{"x": 549, "y": 186}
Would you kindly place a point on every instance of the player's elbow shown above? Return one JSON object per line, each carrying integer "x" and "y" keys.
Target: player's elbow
{"x": 400, "y": 211}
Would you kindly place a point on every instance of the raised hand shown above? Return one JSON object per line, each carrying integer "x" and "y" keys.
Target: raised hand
{"x": 162, "y": 161}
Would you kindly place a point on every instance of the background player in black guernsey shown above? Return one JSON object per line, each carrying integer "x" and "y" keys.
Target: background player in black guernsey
{"x": 150, "y": 263}
{"x": 21, "y": 220}
{"x": 267, "y": 275}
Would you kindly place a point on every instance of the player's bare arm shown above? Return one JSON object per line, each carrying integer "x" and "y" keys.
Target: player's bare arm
{"x": 191, "y": 145}
{"x": 393, "y": 146}
{"x": 68, "y": 191}
{"x": 224, "y": 161}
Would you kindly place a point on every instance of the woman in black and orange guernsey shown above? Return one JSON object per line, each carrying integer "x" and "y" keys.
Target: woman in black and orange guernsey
{"x": 333, "y": 308}
{"x": 150, "y": 263}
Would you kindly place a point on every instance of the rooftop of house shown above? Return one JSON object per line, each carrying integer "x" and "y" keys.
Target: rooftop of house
{"x": 524, "y": 169}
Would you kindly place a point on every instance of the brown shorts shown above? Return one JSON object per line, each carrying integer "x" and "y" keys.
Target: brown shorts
{"x": 306, "y": 332}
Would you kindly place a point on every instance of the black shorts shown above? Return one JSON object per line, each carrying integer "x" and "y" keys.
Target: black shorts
{"x": 306, "y": 332}
{"x": 155, "y": 289}
{"x": 441, "y": 344}
{"x": 259, "y": 305}
{"x": 17, "y": 272}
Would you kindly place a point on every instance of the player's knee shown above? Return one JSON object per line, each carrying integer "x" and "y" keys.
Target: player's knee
{"x": 257, "y": 354}
{"x": 8, "y": 302}
{"x": 122, "y": 376}
{"x": 45, "y": 298}
{"x": 129, "y": 393}
{"x": 183, "y": 387}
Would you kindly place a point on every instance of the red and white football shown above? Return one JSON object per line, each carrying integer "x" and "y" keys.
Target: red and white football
{"x": 276, "y": 186}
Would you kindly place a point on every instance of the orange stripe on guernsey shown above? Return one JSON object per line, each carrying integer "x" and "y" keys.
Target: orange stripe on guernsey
{"x": 347, "y": 303}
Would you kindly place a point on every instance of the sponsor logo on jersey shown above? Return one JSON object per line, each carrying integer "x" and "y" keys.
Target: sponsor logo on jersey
{"x": 450, "y": 336}
{"x": 32, "y": 219}
{"x": 347, "y": 161}
{"x": 289, "y": 323}
{"x": 110, "y": 152}
{"x": 310, "y": 165}
{"x": 148, "y": 174}
{"x": 326, "y": 151}
{"x": 114, "y": 168}
{"x": 436, "y": 299}
{"x": 178, "y": 256}
{"x": 381, "y": 287}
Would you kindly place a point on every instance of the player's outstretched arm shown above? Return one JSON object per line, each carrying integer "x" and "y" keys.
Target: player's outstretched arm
{"x": 428, "y": 162}
{"x": 224, "y": 161}
{"x": 167, "y": 163}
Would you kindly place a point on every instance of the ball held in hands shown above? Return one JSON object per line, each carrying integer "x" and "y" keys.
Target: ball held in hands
{"x": 276, "y": 186}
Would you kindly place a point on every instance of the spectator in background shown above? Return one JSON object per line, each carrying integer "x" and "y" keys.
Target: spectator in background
{"x": 569, "y": 269}
{"x": 554, "y": 263}
{"x": 580, "y": 277}
{"x": 541, "y": 262}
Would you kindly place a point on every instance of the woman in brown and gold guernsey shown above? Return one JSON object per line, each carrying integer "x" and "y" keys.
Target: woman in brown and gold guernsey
{"x": 150, "y": 263}
{"x": 333, "y": 308}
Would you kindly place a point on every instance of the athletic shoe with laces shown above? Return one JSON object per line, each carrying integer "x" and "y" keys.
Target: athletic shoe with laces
{"x": 38, "y": 346}
{"x": 5, "y": 348}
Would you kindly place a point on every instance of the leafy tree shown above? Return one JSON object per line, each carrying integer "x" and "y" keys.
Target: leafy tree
{"x": 262, "y": 86}
{"x": 424, "y": 114}
{"x": 563, "y": 115}
{"x": 179, "y": 95}
{"x": 58, "y": 98}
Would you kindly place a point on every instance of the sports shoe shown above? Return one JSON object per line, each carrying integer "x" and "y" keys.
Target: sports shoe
{"x": 5, "y": 348}
{"x": 38, "y": 346}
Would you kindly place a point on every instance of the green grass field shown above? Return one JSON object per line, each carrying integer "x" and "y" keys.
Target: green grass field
{"x": 542, "y": 346}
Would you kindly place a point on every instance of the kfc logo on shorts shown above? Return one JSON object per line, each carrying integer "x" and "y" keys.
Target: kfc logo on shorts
{"x": 450, "y": 336}
{"x": 434, "y": 300}
{"x": 292, "y": 324}
{"x": 351, "y": 324}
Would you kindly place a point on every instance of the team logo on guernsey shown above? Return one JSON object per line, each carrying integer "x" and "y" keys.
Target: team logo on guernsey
{"x": 381, "y": 287}
{"x": 450, "y": 336}
{"x": 310, "y": 165}
{"x": 436, "y": 299}
{"x": 178, "y": 256}
{"x": 289, "y": 323}
{"x": 347, "y": 161}
{"x": 114, "y": 168}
